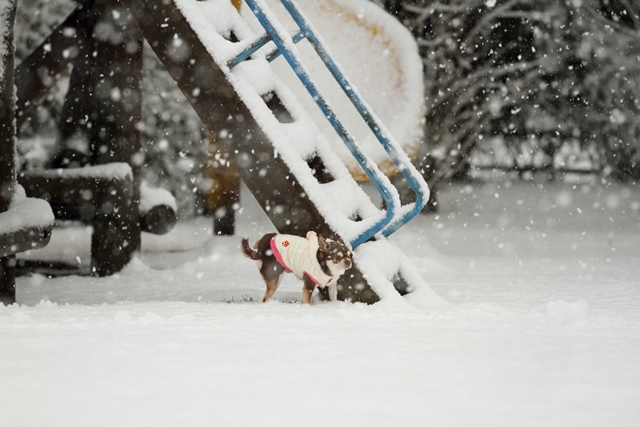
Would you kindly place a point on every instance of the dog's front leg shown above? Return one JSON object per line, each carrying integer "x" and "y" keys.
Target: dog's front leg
{"x": 333, "y": 292}
{"x": 307, "y": 290}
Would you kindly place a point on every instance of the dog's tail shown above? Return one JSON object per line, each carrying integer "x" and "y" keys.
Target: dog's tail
{"x": 246, "y": 249}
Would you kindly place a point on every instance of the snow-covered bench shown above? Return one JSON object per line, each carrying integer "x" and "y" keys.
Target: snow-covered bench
{"x": 158, "y": 210}
{"x": 24, "y": 226}
{"x": 103, "y": 196}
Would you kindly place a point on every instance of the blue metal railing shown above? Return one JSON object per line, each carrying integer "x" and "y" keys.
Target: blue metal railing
{"x": 388, "y": 224}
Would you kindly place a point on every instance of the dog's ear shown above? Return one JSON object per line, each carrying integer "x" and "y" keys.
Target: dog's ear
{"x": 339, "y": 239}
{"x": 322, "y": 243}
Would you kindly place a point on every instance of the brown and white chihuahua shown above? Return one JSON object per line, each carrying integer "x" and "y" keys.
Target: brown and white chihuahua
{"x": 315, "y": 260}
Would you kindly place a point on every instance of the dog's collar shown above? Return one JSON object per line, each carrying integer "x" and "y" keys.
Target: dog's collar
{"x": 317, "y": 282}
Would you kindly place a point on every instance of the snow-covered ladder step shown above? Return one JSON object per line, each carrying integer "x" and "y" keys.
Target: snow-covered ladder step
{"x": 297, "y": 140}
{"x": 285, "y": 45}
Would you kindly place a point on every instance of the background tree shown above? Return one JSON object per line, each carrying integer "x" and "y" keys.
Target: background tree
{"x": 173, "y": 139}
{"x": 611, "y": 52}
{"x": 528, "y": 86}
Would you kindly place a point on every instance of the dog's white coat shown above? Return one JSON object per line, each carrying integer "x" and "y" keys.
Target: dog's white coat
{"x": 298, "y": 255}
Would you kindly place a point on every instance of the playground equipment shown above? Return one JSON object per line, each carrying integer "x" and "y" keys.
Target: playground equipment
{"x": 222, "y": 67}
{"x": 276, "y": 33}
{"x": 380, "y": 58}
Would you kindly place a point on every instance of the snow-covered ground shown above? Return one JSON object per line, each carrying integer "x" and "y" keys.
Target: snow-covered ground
{"x": 542, "y": 327}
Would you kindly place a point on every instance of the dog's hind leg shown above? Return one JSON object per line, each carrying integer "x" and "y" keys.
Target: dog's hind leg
{"x": 272, "y": 287}
{"x": 272, "y": 273}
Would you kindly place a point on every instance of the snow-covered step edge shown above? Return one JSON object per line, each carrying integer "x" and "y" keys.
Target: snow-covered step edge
{"x": 336, "y": 208}
{"x": 405, "y": 162}
{"x": 25, "y": 212}
{"x": 362, "y": 36}
{"x": 380, "y": 262}
{"x": 116, "y": 170}
{"x": 155, "y": 196}
{"x": 285, "y": 36}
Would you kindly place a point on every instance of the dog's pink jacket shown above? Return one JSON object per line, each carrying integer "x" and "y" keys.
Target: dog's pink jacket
{"x": 298, "y": 255}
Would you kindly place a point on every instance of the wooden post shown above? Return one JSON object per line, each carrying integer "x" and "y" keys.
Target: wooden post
{"x": 7, "y": 146}
{"x": 28, "y": 235}
{"x": 103, "y": 104}
{"x": 224, "y": 196}
{"x": 101, "y": 114}
{"x": 8, "y": 280}
{"x": 116, "y": 232}
{"x": 7, "y": 112}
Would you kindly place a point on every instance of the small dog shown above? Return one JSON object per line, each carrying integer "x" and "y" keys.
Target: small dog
{"x": 315, "y": 260}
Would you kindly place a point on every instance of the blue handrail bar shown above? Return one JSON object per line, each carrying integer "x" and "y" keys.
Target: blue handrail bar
{"x": 257, "y": 45}
{"x": 353, "y": 147}
{"x": 250, "y": 50}
{"x": 414, "y": 179}
{"x": 276, "y": 52}
{"x": 387, "y": 225}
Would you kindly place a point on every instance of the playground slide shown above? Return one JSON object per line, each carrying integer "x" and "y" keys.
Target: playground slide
{"x": 339, "y": 200}
{"x": 380, "y": 57}
{"x": 289, "y": 152}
